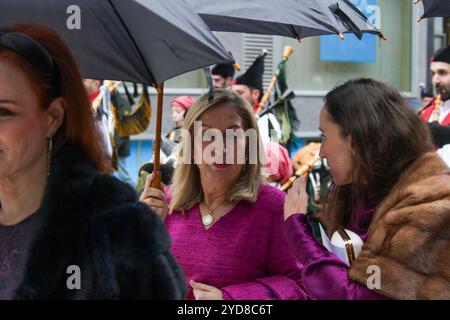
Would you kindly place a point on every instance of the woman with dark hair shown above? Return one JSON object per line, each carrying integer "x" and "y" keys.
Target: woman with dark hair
{"x": 390, "y": 188}
{"x": 68, "y": 230}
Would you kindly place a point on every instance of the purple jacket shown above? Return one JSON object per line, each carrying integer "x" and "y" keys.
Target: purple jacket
{"x": 244, "y": 253}
{"x": 324, "y": 275}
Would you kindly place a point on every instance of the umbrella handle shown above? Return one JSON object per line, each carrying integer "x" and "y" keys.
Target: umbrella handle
{"x": 156, "y": 183}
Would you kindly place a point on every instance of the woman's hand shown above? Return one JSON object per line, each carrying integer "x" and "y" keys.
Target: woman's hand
{"x": 296, "y": 199}
{"x": 155, "y": 198}
{"x": 205, "y": 292}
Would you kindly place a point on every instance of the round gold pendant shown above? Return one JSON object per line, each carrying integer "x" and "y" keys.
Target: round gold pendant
{"x": 207, "y": 220}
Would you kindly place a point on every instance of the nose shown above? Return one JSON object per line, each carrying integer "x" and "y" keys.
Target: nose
{"x": 436, "y": 79}
{"x": 322, "y": 152}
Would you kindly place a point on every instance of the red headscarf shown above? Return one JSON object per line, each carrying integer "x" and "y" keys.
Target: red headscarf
{"x": 183, "y": 102}
{"x": 278, "y": 163}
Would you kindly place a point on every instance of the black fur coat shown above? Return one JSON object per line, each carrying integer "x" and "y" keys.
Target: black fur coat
{"x": 95, "y": 222}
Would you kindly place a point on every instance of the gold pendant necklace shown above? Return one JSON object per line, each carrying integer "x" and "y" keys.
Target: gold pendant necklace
{"x": 208, "y": 219}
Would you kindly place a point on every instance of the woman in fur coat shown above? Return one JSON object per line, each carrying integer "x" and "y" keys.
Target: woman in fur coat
{"x": 390, "y": 188}
{"x": 68, "y": 230}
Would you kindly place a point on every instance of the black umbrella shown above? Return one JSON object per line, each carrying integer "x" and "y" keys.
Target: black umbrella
{"x": 143, "y": 41}
{"x": 435, "y": 8}
{"x": 291, "y": 18}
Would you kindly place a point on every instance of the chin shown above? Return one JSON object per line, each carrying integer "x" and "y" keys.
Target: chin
{"x": 342, "y": 182}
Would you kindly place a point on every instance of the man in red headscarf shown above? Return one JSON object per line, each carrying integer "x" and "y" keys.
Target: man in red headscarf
{"x": 439, "y": 109}
{"x": 437, "y": 113}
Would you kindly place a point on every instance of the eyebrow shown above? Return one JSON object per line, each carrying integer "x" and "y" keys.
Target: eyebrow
{"x": 5, "y": 101}
{"x": 439, "y": 70}
{"x": 232, "y": 127}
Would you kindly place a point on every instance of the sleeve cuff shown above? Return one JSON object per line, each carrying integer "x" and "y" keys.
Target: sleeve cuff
{"x": 297, "y": 232}
{"x": 247, "y": 291}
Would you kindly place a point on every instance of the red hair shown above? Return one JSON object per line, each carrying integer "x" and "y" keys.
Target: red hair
{"x": 78, "y": 127}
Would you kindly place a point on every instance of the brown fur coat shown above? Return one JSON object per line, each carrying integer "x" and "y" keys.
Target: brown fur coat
{"x": 409, "y": 237}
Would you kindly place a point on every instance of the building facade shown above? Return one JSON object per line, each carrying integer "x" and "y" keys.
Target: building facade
{"x": 321, "y": 63}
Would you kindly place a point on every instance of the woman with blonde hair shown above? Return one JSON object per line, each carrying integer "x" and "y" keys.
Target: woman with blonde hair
{"x": 224, "y": 222}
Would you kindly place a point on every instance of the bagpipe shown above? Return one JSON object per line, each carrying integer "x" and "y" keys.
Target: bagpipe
{"x": 127, "y": 123}
{"x": 436, "y": 105}
{"x": 440, "y": 133}
{"x": 288, "y": 51}
{"x": 111, "y": 121}
{"x": 281, "y": 109}
{"x": 303, "y": 162}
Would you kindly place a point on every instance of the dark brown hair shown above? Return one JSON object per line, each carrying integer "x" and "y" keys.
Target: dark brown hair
{"x": 387, "y": 137}
{"x": 78, "y": 127}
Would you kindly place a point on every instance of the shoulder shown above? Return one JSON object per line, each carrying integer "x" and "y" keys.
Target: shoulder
{"x": 424, "y": 173}
{"x": 424, "y": 189}
{"x": 132, "y": 225}
{"x": 270, "y": 194}
{"x": 136, "y": 245}
{"x": 269, "y": 203}
{"x": 115, "y": 203}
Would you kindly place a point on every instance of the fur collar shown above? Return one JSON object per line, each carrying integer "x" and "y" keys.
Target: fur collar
{"x": 409, "y": 237}
{"x": 67, "y": 208}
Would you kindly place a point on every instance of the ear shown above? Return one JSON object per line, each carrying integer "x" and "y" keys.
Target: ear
{"x": 255, "y": 94}
{"x": 56, "y": 114}
{"x": 350, "y": 143}
{"x": 229, "y": 81}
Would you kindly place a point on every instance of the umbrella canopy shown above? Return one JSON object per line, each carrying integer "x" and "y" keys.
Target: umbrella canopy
{"x": 435, "y": 8}
{"x": 142, "y": 41}
{"x": 290, "y": 18}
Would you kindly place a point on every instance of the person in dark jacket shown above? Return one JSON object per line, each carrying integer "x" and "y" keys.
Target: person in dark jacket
{"x": 68, "y": 229}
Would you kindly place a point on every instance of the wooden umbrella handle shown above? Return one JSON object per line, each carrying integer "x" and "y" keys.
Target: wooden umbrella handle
{"x": 156, "y": 183}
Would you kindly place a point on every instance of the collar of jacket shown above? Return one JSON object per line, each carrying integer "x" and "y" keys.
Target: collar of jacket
{"x": 73, "y": 197}
{"x": 408, "y": 243}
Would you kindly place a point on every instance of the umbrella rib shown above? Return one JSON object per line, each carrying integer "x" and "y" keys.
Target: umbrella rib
{"x": 132, "y": 40}
{"x": 297, "y": 36}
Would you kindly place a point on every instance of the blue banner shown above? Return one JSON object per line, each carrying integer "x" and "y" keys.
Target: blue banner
{"x": 351, "y": 49}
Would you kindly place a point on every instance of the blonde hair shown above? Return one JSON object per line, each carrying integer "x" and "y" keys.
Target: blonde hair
{"x": 187, "y": 190}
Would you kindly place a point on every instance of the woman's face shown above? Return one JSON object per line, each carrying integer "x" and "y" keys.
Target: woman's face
{"x": 214, "y": 125}
{"x": 24, "y": 126}
{"x": 178, "y": 115}
{"x": 336, "y": 149}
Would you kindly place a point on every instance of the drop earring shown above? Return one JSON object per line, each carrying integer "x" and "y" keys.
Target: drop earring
{"x": 49, "y": 154}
